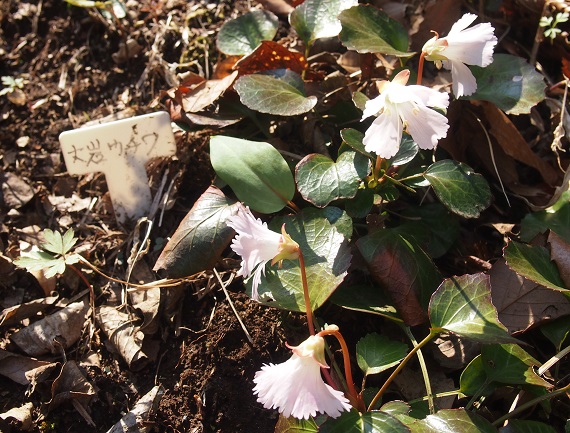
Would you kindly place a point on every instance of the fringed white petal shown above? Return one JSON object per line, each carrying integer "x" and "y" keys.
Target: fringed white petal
{"x": 426, "y": 126}
{"x": 384, "y": 135}
{"x": 464, "y": 83}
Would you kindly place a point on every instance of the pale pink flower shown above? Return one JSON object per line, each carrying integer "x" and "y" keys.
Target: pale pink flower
{"x": 296, "y": 388}
{"x": 404, "y": 108}
{"x": 463, "y": 46}
{"x": 257, "y": 245}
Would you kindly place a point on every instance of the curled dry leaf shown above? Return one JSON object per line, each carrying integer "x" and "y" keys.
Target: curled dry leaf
{"x": 19, "y": 368}
{"x": 204, "y": 95}
{"x": 20, "y": 416}
{"x": 17, "y": 313}
{"x": 55, "y": 332}
{"x": 521, "y": 303}
{"x": 560, "y": 253}
{"x": 124, "y": 335}
{"x": 15, "y": 190}
{"x": 71, "y": 385}
{"x": 134, "y": 420}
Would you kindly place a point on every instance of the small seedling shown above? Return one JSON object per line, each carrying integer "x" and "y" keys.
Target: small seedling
{"x": 550, "y": 24}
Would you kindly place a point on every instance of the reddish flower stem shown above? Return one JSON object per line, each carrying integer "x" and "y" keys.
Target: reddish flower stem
{"x": 308, "y": 309}
{"x": 420, "y": 69}
{"x": 353, "y": 396}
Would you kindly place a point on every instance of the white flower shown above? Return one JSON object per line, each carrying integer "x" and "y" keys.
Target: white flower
{"x": 463, "y": 46}
{"x": 400, "y": 107}
{"x": 296, "y": 387}
{"x": 257, "y": 245}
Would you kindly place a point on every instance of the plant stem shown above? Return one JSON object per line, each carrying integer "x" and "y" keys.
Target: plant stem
{"x": 531, "y": 403}
{"x": 377, "y": 167}
{"x": 354, "y": 397}
{"x": 409, "y": 356}
{"x": 293, "y": 206}
{"x": 423, "y": 367}
{"x": 420, "y": 69}
{"x": 310, "y": 323}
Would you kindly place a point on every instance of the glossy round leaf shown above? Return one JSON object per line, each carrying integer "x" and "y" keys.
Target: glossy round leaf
{"x": 243, "y": 34}
{"x": 366, "y": 299}
{"x": 294, "y": 425}
{"x": 315, "y": 19}
{"x": 327, "y": 258}
{"x": 369, "y": 422}
{"x": 526, "y": 426}
{"x": 463, "y": 306}
{"x": 320, "y": 180}
{"x": 474, "y": 380}
{"x": 354, "y": 138}
{"x": 281, "y": 93}
{"x": 369, "y": 30}
{"x": 453, "y": 421}
{"x": 510, "y": 83}
{"x": 459, "y": 188}
{"x": 256, "y": 172}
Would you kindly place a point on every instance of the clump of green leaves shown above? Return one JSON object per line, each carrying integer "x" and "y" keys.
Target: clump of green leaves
{"x": 550, "y": 24}
{"x": 55, "y": 254}
{"x": 11, "y": 85}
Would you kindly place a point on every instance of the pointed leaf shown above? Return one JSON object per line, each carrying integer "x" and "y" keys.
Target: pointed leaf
{"x": 280, "y": 94}
{"x": 510, "y": 83}
{"x": 200, "y": 238}
{"x": 403, "y": 269}
{"x": 462, "y": 305}
{"x": 320, "y": 180}
{"x": 68, "y": 241}
{"x": 243, "y": 34}
{"x": 315, "y": 19}
{"x": 327, "y": 258}
{"x": 459, "y": 188}
{"x": 369, "y": 30}
{"x": 255, "y": 171}
{"x": 557, "y": 331}
{"x": 533, "y": 263}
{"x": 376, "y": 353}
{"x": 509, "y": 364}
{"x": 53, "y": 242}
{"x": 366, "y": 299}
{"x": 474, "y": 380}
{"x": 555, "y": 218}
{"x": 354, "y": 138}
{"x": 369, "y": 422}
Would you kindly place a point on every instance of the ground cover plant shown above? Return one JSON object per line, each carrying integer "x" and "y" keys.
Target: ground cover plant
{"x": 364, "y": 228}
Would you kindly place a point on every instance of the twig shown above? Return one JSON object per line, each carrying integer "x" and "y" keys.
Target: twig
{"x": 223, "y": 285}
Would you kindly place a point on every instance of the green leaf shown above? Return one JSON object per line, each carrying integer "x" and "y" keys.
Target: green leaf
{"x": 336, "y": 216}
{"x": 327, "y": 258}
{"x": 462, "y": 305}
{"x": 315, "y": 19}
{"x": 369, "y": 422}
{"x": 199, "y": 240}
{"x": 366, "y": 299}
{"x": 294, "y": 425}
{"x": 53, "y": 242}
{"x": 509, "y": 364}
{"x": 403, "y": 269}
{"x": 68, "y": 241}
{"x": 243, "y": 34}
{"x": 474, "y": 380}
{"x": 557, "y": 331}
{"x": 525, "y": 426}
{"x": 555, "y": 218}
{"x": 510, "y": 83}
{"x": 320, "y": 180}
{"x": 533, "y": 263}
{"x": 407, "y": 151}
{"x": 256, "y": 172}
{"x": 354, "y": 138}
{"x": 396, "y": 407}
{"x": 376, "y": 353}
{"x": 281, "y": 94}
{"x": 359, "y": 206}
{"x": 369, "y": 30}
{"x": 459, "y": 188}
{"x": 453, "y": 421}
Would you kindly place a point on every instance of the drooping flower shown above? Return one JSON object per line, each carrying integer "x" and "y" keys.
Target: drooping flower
{"x": 404, "y": 108}
{"x": 296, "y": 388}
{"x": 463, "y": 46}
{"x": 257, "y": 245}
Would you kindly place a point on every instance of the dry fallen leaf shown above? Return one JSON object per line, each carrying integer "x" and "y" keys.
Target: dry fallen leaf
{"x": 21, "y": 415}
{"x": 124, "y": 335}
{"x": 522, "y": 303}
{"x": 199, "y": 98}
{"x": 55, "y": 332}
{"x": 560, "y": 253}
{"x": 16, "y": 191}
{"x": 134, "y": 420}
{"x": 17, "y": 313}
{"x": 18, "y": 367}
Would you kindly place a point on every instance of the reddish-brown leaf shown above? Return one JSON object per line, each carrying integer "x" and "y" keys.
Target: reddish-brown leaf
{"x": 271, "y": 55}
